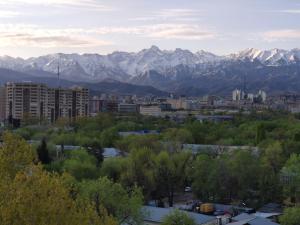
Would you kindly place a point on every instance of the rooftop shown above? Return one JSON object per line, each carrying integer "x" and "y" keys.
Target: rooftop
{"x": 155, "y": 214}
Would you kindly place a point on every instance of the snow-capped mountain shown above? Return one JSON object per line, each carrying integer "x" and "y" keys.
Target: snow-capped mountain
{"x": 269, "y": 57}
{"x": 171, "y": 70}
{"x": 118, "y": 65}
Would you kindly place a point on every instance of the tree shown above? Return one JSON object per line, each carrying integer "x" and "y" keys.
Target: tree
{"x": 113, "y": 168}
{"x": 140, "y": 170}
{"x": 170, "y": 173}
{"x": 108, "y": 137}
{"x": 260, "y": 133}
{"x": 81, "y": 165}
{"x": 15, "y": 155}
{"x": 271, "y": 163}
{"x": 273, "y": 157}
{"x": 178, "y": 218}
{"x": 43, "y": 153}
{"x": 177, "y": 137}
{"x": 291, "y": 173}
{"x": 244, "y": 166}
{"x": 31, "y": 196}
{"x": 124, "y": 205}
{"x": 200, "y": 174}
{"x": 36, "y": 197}
{"x": 291, "y": 216}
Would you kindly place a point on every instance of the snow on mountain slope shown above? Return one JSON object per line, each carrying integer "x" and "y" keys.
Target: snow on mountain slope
{"x": 124, "y": 66}
{"x": 272, "y": 57}
{"x": 118, "y": 65}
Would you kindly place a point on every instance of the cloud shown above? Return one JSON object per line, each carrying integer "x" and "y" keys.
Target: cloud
{"x": 25, "y": 35}
{"x": 281, "y": 35}
{"x": 175, "y": 14}
{"x": 290, "y": 11}
{"x": 8, "y": 14}
{"x": 162, "y": 31}
{"x": 179, "y": 31}
{"x": 34, "y": 36}
{"x": 83, "y": 4}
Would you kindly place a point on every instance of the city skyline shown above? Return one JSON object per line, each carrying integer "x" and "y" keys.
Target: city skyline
{"x": 32, "y": 28}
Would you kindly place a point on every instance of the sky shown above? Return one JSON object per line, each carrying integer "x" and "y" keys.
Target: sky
{"x": 38, "y": 27}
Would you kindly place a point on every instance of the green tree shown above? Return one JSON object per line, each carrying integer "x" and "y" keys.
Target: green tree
{"x": 271, "y": 163}
{"x": 291, "y": 216}
{"x": 291, "y": 173}
{"x": 170, "y": 173}
{"x": 43, "y": 153}
{"x": 140, "y": 171}
{"x": 260, "y": 133}
{"x": 176, "y": 137}
{"x": 15, "y": 155}
{"x": 113, "y": 168}
{"x": 108, "y": 137}
{"x": 178, "y": 218}
{"x": 31, "y": 196}
{"x": 124, "y": 205}
{"x": 81, "y": 165}
{"x": 200, "y": 176}
{"x": 245, "y": 167}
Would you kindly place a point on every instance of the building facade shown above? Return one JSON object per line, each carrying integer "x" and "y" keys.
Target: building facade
{"x": 2, "y": 103}
{"x": 127, "y": 108}
{"x": 150, "y": 110}
{"x": 30, "y": 100}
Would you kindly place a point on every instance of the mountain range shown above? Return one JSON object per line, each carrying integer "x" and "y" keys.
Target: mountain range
{"x": 180, "y": 71}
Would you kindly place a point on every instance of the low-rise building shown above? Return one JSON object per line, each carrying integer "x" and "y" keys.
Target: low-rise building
{"x": 150, "y": 110}
{"x": 127, "y": 108}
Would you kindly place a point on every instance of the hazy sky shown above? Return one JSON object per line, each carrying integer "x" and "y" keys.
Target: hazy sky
{"x": 38, "y": 27}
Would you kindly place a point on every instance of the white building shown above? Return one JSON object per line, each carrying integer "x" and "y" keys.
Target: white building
{"x": 150, "y": 110}
{"x": 237, "y": 95}
{"x": 263, "y": 95}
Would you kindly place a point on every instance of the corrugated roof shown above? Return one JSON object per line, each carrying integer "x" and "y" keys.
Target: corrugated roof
{"x": 251, "y": 219}
{"x": 155, "y": 214}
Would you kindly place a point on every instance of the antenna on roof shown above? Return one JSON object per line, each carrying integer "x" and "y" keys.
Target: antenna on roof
{"x": 245, "y": 85}
{"x": 58, "y": 72}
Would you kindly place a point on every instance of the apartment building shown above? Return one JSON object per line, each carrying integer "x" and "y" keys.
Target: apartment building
{"x": 2, "y": 103}
{"x": 44, "y": 103}
{"x": 26, "y": 100}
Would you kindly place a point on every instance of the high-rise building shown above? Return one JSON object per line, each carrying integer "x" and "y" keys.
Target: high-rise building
{"x": 263, "y": 95}
{"x": 238, "y": 95}
{"x": 26, "y": 100}
{"x": 43, "y": 103}
{"x": 2, "y": 103}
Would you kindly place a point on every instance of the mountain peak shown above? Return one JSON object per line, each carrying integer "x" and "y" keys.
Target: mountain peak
{"x": 154, "y": 48}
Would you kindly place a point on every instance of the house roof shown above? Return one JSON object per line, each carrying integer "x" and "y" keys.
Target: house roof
{"x": 243, "y": 216}
{"x": 155, "y": 214}
{"x": 110, "y": 152}
{"x": 266, "y": 215}
{"x": 251, "y": 219}
{"x": 261, "y": 221}
{"x": 271, "y": 208}
{"x": 241, "y": 222}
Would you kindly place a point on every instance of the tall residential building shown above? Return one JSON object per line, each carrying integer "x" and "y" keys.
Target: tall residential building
{"x": 237, "y": 95}
{"x": 26, "y": 100}
{"x": 2, "y": 103}
{"x": 39, "y": 101}
{"x": 263, "y": 95}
